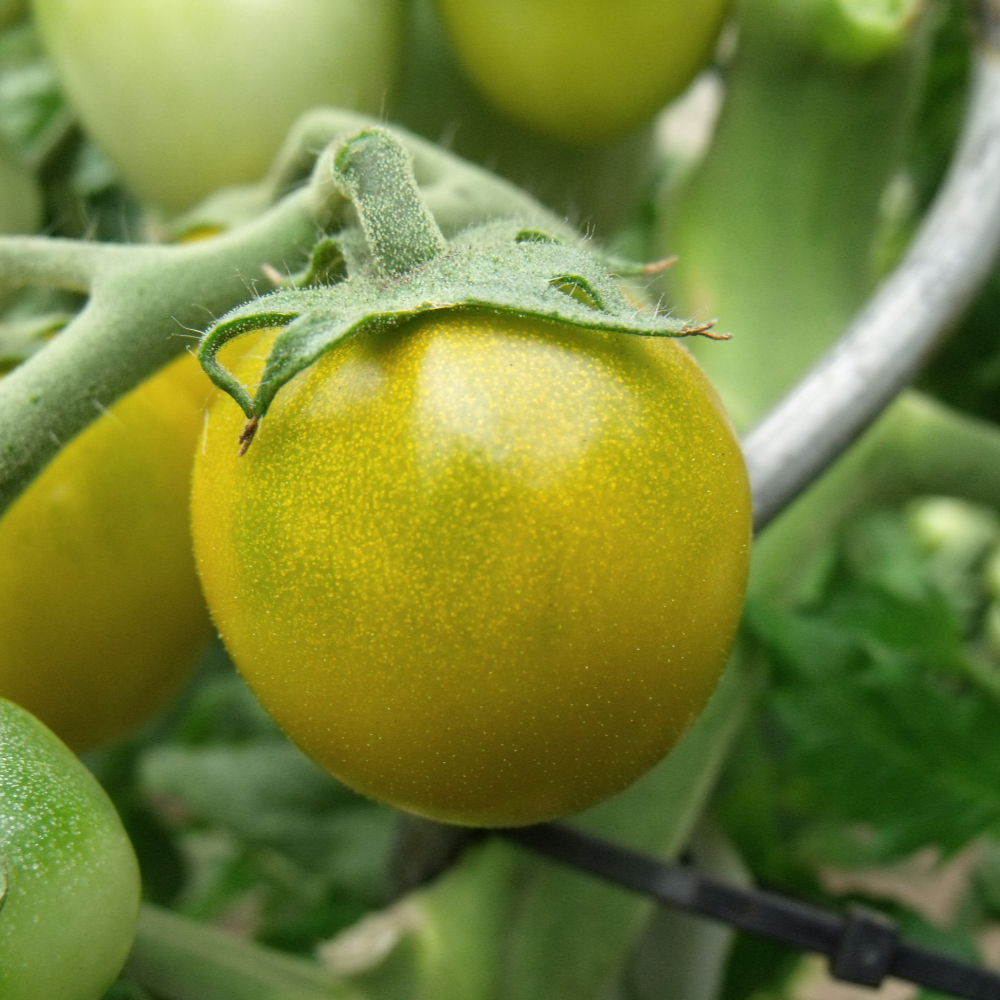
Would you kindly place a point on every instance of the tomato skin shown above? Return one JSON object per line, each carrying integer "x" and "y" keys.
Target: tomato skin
{"x": 189, "y": 97}
{"x": 582, "y": 71}
{"x": 101, "y": 613}
{"x": 67, "y": 922}
{"x": 486, "y": 569}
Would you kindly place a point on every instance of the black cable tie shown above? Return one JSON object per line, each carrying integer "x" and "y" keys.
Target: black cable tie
{"x": 863, "y": 947}
{"x": 867, "y": 947}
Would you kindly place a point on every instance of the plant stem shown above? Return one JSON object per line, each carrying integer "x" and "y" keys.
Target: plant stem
{"x": 944, "y": 266}
{"x": 376, "y": 173}
{"x": 72, "y": 265}
{"x": 684, "y": 957}
{"x": 775, "y": 231}
{"x": 143, "y": 302}
{"x": 180, "y": 959}
{"x": 148, "y": 302}
{"x": 458, "y": 193}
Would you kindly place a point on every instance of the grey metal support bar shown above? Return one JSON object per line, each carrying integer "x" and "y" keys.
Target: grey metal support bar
{"x": 916, "y": 306}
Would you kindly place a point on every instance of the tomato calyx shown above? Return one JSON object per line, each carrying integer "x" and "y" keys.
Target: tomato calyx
{"x": 395, "y": 264}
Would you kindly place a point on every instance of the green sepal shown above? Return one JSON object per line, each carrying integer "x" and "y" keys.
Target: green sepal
{"x": 330, "y": 262}
{"x": 221, "y": 336}
{"x": 501, "y": 267}
{"x": 622, "y": 268}
{"x": 327, "y": 265}
{"x": 488, "y": 267}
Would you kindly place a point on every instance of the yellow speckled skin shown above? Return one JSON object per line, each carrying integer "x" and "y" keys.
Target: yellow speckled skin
{"x": 101, "y": 614}
{"x": 582, "y": 71}
{"x": 486, "y": 569}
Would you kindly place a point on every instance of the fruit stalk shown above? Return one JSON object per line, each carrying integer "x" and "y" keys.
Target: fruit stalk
{"x": 184, "y": 960}
{"x": 376, "y": 173}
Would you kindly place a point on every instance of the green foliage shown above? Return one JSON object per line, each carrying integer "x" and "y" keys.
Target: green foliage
{"x": 965, "y": 373}
{"x": 81, "y": 191}
{"x": 877, "y": 735}
{"x": 946, "y": 86}
{"x": 776, "y": 230}
{"x": 34, "y": 116}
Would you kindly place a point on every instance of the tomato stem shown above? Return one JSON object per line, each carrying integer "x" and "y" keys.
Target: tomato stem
{"x": 186, "y": 960}
{"x": 146, "y": 301}
{"x": 374, "y": 170}
{"x": 777, "y": 231}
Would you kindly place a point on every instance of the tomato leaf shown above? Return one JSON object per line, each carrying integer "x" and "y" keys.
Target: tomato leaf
{"x": 877, "y": 737}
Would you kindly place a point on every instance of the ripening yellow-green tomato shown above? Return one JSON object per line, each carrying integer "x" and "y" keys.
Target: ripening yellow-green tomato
{"x": 582, "y": 71}
{"x": 487, "y": 569}
{"x": 69, "y": 881}
{"x": 101, "y": 614}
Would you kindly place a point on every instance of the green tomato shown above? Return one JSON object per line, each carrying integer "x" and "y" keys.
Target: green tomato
{"x": 582, "y": 71}
{"x": 72, "y": 882}
{"x": 187, "y": 97}
{"x": 487, "y": 569}
{"x": 101, "y": 614}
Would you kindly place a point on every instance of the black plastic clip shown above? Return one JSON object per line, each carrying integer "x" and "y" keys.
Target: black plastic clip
{"x": 866, "y": 949}
{"x": 863, "y": 946}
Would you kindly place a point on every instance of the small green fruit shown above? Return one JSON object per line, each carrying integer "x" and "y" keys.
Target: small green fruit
{"x": 70, "y": 879}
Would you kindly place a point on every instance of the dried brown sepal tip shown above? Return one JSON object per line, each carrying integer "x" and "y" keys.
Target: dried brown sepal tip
{"x": 273, "y": 275}
{"x": 247, "y": 434}
{"x": 705, "y": 330}
{"x": 659, "y": 266}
